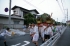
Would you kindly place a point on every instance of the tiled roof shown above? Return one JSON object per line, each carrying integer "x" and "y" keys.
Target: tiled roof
{"x": 25, "y": 9}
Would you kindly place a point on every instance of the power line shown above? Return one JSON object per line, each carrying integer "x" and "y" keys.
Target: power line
{"x": 60, "y": 6}
{"x": 62, "y": 9}
{"x": 42, "y": 1}
{"x": 31, "y": 0}
{"x": 33, "y": 5}
{"x": 65, "y": 9}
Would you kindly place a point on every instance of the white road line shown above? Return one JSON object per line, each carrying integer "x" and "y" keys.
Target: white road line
{"x": 16, "y": 44}
{"x": 13, "y": 45}
{"x": 27, "y": 42}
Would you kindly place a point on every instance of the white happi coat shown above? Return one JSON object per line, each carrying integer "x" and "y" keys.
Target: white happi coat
{"x": 31, "y": 30}
{"x": 49, "y": 31}
{"x": 5, "y": 33}
{"x": 36, "y": 35}
{"x": 42, "y": 31}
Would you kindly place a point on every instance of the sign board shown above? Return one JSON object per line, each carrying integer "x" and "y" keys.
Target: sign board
{"x": 6, "y": 9}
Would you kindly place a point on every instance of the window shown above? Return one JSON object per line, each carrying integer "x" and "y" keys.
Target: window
{"x": 16, "y": 22}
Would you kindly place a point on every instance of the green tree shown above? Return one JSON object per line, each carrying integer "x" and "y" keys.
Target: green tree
{"x": 29, "y": 18}
{"x": 44, "y": 17}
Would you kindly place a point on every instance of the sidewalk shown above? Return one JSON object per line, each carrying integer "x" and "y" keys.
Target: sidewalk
{"x": 64, "y": 40}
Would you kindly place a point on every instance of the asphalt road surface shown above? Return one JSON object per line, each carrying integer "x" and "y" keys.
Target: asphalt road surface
{"x": 22, "y": 40}
{"x": 64, "y": 39}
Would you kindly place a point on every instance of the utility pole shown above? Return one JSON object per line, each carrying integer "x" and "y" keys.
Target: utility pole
{"x": 67, "y": 14}
{"x": 57, "y": 19}
{"x": 9, "y": 13}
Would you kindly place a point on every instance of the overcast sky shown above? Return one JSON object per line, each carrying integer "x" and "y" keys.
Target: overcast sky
{"x": 42, "y": 6}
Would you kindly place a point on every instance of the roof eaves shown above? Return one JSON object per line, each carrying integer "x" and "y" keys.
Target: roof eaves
{"x": 11, "y": 16}
{"x": 20, "y": 8}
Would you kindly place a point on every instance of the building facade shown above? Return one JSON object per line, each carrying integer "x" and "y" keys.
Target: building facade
{"x": 17, "y": 18}
{"x": 68, "y": 22}
{"x": 19, "y": 11}
{"x": 16, "y": 22}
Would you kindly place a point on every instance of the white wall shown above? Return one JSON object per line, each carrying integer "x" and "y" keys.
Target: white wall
{"x": 20, "y": 21}
{"x": 21, "y": 13}
{"x": 6, "y": 22}
{"x": 32, "y": 12}
{"x": 68, "y": 22}
{"x": 18, "y": 12}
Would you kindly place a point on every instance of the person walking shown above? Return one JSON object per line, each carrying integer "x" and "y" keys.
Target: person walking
{"x": 48, "y": 32}
{"x": 31, "y": 31}
{"x": 42, "y": 32}
{"x": 36, "y": 34}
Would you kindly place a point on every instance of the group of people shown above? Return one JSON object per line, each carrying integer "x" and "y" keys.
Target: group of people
{"x": 42, "y": 31}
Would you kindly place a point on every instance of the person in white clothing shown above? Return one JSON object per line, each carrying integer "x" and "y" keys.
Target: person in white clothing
{"x": 51, "y": 30}
{"x": 36, "y": 34}
{"x": 58, "y": 28}
{"x": 39, "y": 29}
{"x": 5, "y": 33}
{"x": 44, "y": 26}
{"x": 48, "y": 32}
{"x": 42, "y": 31}
{"x": 31, "y": 31}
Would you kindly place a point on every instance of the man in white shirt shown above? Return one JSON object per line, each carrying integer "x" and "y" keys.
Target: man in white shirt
{"x": 3, "y": 34}
{"x": 58, "y": 28}
{"x": 48, "y": 32}
{"x": 36, "y": 34}
{"x": 42, "y": 31}
{"x": 31, "y": 31}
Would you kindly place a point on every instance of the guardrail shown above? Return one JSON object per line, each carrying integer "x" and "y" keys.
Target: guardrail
{"x": 53, "y": 39}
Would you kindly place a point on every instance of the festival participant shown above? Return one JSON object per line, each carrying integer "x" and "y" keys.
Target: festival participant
{"x": 42, "y": 32}
{"x": 31, "y": 31}
{"x": 39, "y": 29}
{"x": 58, "y": 28}
{"x": 48, "y": 32}
{"x": 36, "y": 34}
{"x": 5, "y": 33}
